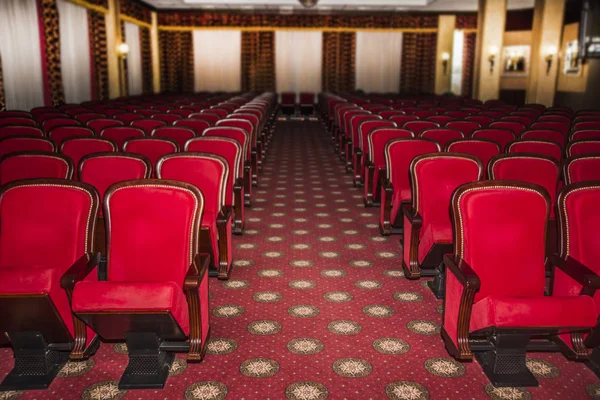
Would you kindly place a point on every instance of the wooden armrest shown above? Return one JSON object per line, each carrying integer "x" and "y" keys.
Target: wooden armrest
{"x": 79, "y": 270}
{"x": 224, "y": 215}
{"x": 413, "y": 217}
{"x": 463, "y": 272}
{"x": 239, "y": 184}
{"x": 577, "y": 271}
{"x": 196, "y": 272}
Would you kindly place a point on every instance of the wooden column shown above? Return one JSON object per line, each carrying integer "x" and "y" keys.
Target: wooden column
{"x": 113, "y": 38}
{"x": 547, "y": 36}
{"x": 445, "y": 41}
{"x": 155, "y": 53}
{"x": 490, "y": 35}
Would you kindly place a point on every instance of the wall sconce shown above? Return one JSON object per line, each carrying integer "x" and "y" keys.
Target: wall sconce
{"x": 123, "y": 50}
{"x": 445, "y": 58}
{"x": 550, "y": 53}
{"x": 493, "y": 51}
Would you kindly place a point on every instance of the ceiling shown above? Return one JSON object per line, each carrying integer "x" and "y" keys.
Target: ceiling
{"x": 329, "y": 6}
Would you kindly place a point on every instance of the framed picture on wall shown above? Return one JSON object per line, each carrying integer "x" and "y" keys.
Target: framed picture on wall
{"x": 515, "y": 61}
{"x": 572, "y": 65}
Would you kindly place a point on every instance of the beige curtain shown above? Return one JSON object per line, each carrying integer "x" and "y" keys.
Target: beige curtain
{"x": 217, "y": 60}
{"x": 298, "y": 61}
{"x": 378, "y": 61}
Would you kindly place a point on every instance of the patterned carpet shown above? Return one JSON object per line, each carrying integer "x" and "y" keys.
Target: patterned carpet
{"x": 317, "y": 307}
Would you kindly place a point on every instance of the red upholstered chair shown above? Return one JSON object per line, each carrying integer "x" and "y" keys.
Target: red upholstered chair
{"x": 183, "y": 113}
{"x": 46, "y": 231}
{"x": 129, "y": 117}
{"x": 394, "y": 181}
{"x": 256, "y": 143}
{"x": 7, "y": 131}
{"x": 495, "y": 115}
{"x": 155, "y": 293}
{"x": 354, "y": 142}
{"x": 61, "y": 133}
{"x": 307, "y": 103}
{"x": 488, "y": 312}
{"x": 78, "y": 147}
{"x": 111, "y": 112}
{"x": 427, "y": 235}
{"x": 13, "y": 144}
{"x": 466, "y": 127}
{"x": 580, "y": 147}
{"x": 98, "y": 125}
{"x": 500, "y": 136}
{"x": 514, "y": 127}
{"x": 545, "y": 134}
{"x": 442, "y": 135}
{"x": 483, "y": 149}
{"x": 458, "y": 114}
{"x": 400, "y": 120}
{"x": 594, "y": 117}
{"x": 198, "y": 125}
{"x": 131, "y": 107}
{"x": 210, "y": 173}
{"x": 552, "y": 125}
{"x": 288, "y": 102}
{"x": 232, "y": 128}
{"x": 232, "y": 151}
{"x": 52, "y": 123}
{"x": 387, "y": 114}
{"x": 34, "y": 165}
{"x": 375, "y": 164}
{"x": 335, "y": 116}
{"x": 169, "y": 119}
{"x": 151, "y": 148}
{"x": 120, "y": 134}
{"x": 416, "y": 127}
{"x": 162, "y": 108}
{"x": 583, "y": 134}
{"x": 586, "y": 125}
{"x": 85, "y": 118}
{"x": 42, "y": 110}
{"x": 362, "y": 154}
{"x": 77, "y": 110}
{"x": 480, "y": 119}
{"x": 424, "y": 114}
{"x": 15, "y": 113}
{"x": 17, "y": 121}
{"x": 221, "y": 112}
{"x": 536, "y": 146}
{"x": 147, "y": 125}
{"x": 208, "y": 117}
{"x": 146, "y": 112}
{"x": 178, "y": 134}
{"x": 345, "y": 138}
{"x": 582, "y": 168}
{"x": 555, "y": 118}
{"x": 440, "y": 119}
{"x": 101, "y": 170}
{"x": 537, "y": 169}
{"x": 525, "y": 121}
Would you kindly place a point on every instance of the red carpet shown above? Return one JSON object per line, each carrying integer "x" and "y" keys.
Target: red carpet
{"x": 316, "y": 308}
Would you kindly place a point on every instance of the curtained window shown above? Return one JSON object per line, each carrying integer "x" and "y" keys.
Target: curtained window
{"x": 298, "y": 61}
{"x": 74, "y": 52}
{"x": 378, "y": 61}
{"x": 217, "y": 60}
{"x": 135, "y": 79}
{"x": 21, "y": 54}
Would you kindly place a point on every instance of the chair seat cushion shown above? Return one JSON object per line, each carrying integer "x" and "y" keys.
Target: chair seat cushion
{"x": 91, "y": 297}
{"x": 433, "y": 234}
{"x": 534, "y": 312}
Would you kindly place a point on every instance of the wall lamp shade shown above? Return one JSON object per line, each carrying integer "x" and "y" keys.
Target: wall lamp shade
{"x": 493, "y": 52}
{"x": 308, "y": 3}
{"x": 123, "y": 49}
{"x": 549, "y": 57}
{"x": 445, "y": 58}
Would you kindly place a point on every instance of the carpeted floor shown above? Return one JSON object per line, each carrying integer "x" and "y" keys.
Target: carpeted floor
{"x": 317, "y": 307}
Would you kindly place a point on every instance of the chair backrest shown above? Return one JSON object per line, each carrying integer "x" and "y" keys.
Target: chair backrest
{"x": 169, "y": 119}
{"x": 249, "y": 117}
{"x": 545, "y": 134}
{"x": 442, "y": 135}
{"x": 399, "y": 153}
{"x": 340, "y": 109}
{"x": 555, "y": 118}
{"x": 183, "y": 113}
{"x": 129, "y": 117}
{"x": 307, "y": 98}
{"x": 52, "y": 123}
{"x": 514, "y": 127}
{"x": 581, "y": 134}
{"x": 151, "y": 148}
{"x": 377, "y": 140}
{"x": 500, "y": 136}
{"x": 400, "y": 120}
{"x": 196, "y": 124}
{"x": 581, "y": 147}
{"x": 7, "y": 131}
{"x": 228, "y": 148}
{"x": 178, "y": 134}
{"x": 240, "y": 135}
{"x": 17, "y": 121}
{"x": 147, "y": 125}
{"x": 552, "y": 125}
{"x": 221, "y": 112}
{"x": 417, "y": 127}
{"x": 15, "y": 113}
{"x": 98, "y": 125}
{"x": 13, "y": 144}
{"x": 34, "y": 165}
{"x": 440, "y": 119}
{"x": 434, "y": 177}
{"x": 288, "y": 99}
{"x": 499, "y": 230}
{"x": 150, "y": 225}
{"x": 84, "y": 118}
{"x": 346, "y": 120}
{"x": 526, "y": 167}
{"x": 146, "y": 112}
{"x": 387, "y": 114}
{"x": 525, "y": 121}
{"x": 586, "y": 125}
{"x": 483, "y": 149}
{"x": 103, "y": 170}
{"x": 424, "y": 114}
{"x": 355, "y": 123}
{"x": 482, "y": 120}
{"x": 61, "y": 133}
{"x": 582, "y": 168}
{"x": 208, "y": 117}
{"x": 536, "y": 146}
{"x": 208, "y": 172}
{"x": 465, "y": 127}
{"x": 111, "y": 112}
{"x": 458, "y": 114}
{"x": 120, "y": 134}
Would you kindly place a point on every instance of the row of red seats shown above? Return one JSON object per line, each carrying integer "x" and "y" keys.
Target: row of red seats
{"x": 305, "y": 100}
{"x": 502, "y": 232}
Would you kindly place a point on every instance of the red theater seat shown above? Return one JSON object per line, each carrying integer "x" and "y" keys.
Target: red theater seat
{"x": 151, "y": 148}
{"x": 78, "y": 147}
{"x": 44, "y": 246}
{"x": 580, "y": 147}
{"x": 514, "y": 127}
{"x": 545, "y": 134}
{"x": 500, "y": 136}
{"x": 17, "y": 121}
{"x": 209, "y": 173}
{"x": 13, "y": 144}
{"x": 84, "y": 118}
{"x": 485, "y": 303}
{"x": 442, "y": 135}
{"x": 427, "y": 233}
{"x": 50, "y": 124}
{"x": 120, "y": 134}
{"x": 178, "y": 134}
{"x": 466, "y": 127}
{"x": 155, "y": 292}
{"x": 440, "y": 119}
{"x": 208, "y": 117}
{"x": 198, "y": 125}
{"x": 483, "y": 149}
{"x": 98, "y": 125}
{"x": 541, "y": 147}
{"x": 62, "y": 133}
{"x": 169, "y": 119}
{"x": 480, "y": 119}
{"x": 7, "y": 131}
{"x": 585, "y": 134}
{"x": 586, "y": 125}
{"x": 129, "y": 117}
{"x": 416, "y": 127}
{"x": 582, "y": 168}
{"x": 31, "y": 165}
{"x": 147, "y": 125}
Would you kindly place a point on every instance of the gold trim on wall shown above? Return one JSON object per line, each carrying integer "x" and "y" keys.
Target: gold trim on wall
{"x": 135, "y": 21}
{"x": 276, "y": 28}
{"x": 89, "y": 6}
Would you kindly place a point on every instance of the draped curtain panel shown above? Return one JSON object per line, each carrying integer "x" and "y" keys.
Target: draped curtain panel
{"x": 468, "y": 63}
{"x": 99, "y": 50}
{"x": 418, "y": 63}
{"x": 134, "y": 60}
{"x": 20, "y": 54}
{"x": 456, "y": 79}
{"x": 124, "y": 63}
{"x": 378, "y": 58}
{"x": 298, "y": 61}
{"x": 258, "y": 61}
{"x": 135, "y": 9}
{"x": 217, "y": 60}
{"x": 48, "y": 13}
{"x": 74, "y": 52}
{"x": 2, "y": 100}
{"x": 176, "y": 61}
{"x": 146, "y": 46}
{"x": 339, "y": 61}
